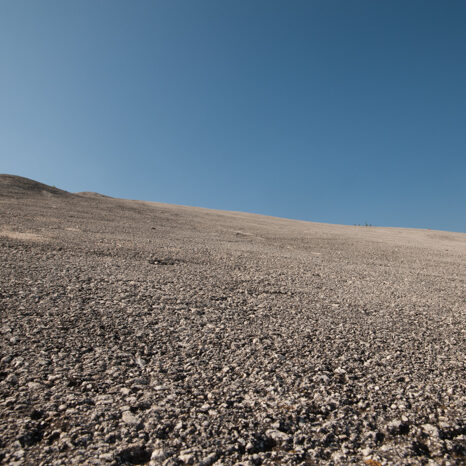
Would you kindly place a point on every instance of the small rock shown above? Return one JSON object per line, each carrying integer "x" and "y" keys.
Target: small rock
{"x": 34, "y": 385}
{"x": 159, "y": 454}
{"x": 208, "y": 460}
{"x": 106, "y": 457}
{"x": 130, "y": 418}
{"x": 135, "y": 454}
{"x": 430, "y": 430}
{"x": 366, "y": 452}
{"x": 11, "y": 379}
{"x": 397, "y": 427}
{"x": 186, "y": 457}
{"x": 278, "y": 436}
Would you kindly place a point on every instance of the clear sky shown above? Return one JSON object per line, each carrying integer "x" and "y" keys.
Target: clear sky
{"x": 324, "y": 110}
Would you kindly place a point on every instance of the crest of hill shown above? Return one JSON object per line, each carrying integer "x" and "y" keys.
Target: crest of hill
{"x": 93, "y": 195}
{"x": 14, "y": 186}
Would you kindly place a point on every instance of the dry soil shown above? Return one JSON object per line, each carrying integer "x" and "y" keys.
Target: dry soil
{"x": 142, "y": 333}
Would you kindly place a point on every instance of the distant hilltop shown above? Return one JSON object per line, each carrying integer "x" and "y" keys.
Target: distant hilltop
{"x": 13, "y": 185}
{"x": 19, "y": 186}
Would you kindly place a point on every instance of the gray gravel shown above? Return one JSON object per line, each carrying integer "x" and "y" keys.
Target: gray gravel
{"x": 142, "y": 333}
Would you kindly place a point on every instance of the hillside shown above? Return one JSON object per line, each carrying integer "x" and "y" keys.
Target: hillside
{"x": 15, "y": 186}
{"x": 135, "y": 332}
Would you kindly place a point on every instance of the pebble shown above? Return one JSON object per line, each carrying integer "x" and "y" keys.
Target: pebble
{"x": 130, "y": 418}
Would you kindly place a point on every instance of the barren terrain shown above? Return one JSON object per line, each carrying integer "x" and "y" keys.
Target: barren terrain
{"x": 142, "y": 333}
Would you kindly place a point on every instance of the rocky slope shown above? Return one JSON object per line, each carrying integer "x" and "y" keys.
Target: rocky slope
{"x": 142, "y": 333}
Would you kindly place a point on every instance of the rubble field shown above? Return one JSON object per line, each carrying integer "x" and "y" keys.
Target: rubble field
{"x": 142, "y": 333}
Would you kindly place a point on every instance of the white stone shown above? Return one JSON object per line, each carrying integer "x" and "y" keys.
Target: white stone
{"x": 430, "y": 430}
{"x": 159, "y": 454}
{"x": 130, "y": 418}
{"x": 186, "y": 457}
{"x": 278, "y": 436}
{"x": 366, "y": 452}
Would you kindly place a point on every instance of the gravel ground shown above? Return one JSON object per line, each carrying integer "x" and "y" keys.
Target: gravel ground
{"x": 143, "y": 333}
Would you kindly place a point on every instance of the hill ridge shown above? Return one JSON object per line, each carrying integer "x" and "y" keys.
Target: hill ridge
{"x": 14, "y": 185}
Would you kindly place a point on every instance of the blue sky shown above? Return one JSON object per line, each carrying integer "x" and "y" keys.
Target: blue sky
{"x": 332, "y": 111}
